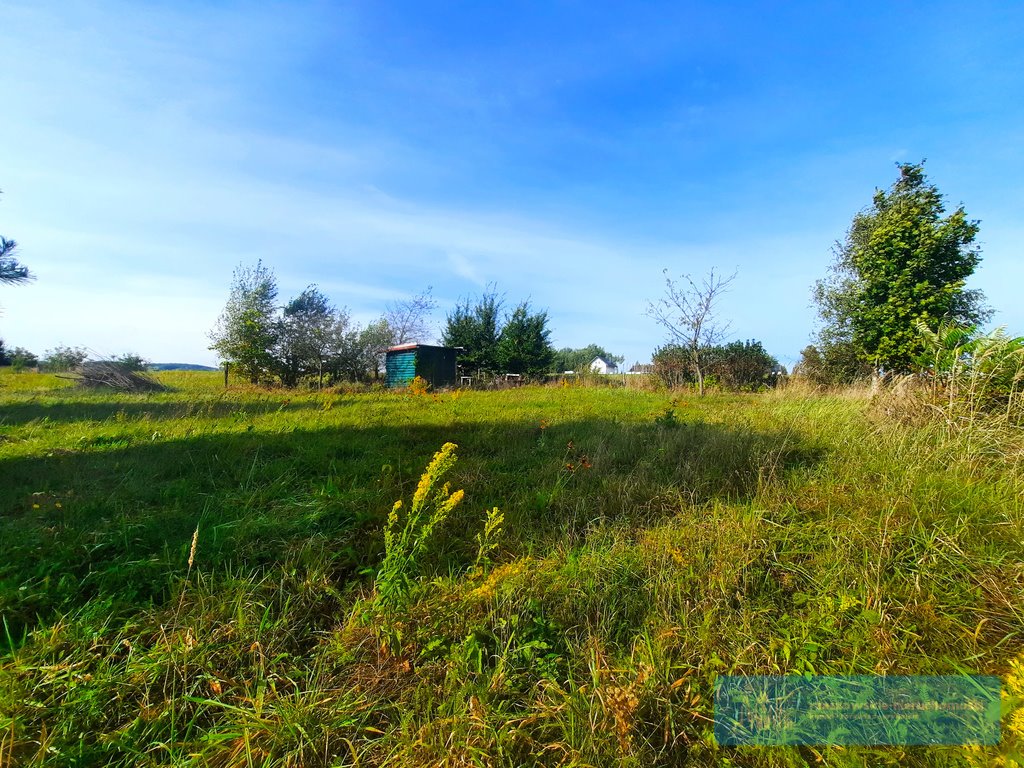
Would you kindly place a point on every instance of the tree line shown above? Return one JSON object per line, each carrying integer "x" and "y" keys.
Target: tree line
{"x": 894, "y": 301}
{"x": 578, "y": 360}
{"x": 518, "y": 342}
{"x": 307, "y": 337}
{"x": 895, "y": 289}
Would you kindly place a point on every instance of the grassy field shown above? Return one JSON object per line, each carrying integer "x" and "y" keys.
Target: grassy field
{"x": 201, "y": 577}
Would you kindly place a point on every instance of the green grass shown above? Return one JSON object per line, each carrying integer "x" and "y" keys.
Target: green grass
{"x": 648, "y": 545}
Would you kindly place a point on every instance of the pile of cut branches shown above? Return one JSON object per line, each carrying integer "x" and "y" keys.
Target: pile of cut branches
{"x": 115, "y": 375}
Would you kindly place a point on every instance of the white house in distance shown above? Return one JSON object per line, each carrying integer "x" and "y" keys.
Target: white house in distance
{"x": 600, "y": 365}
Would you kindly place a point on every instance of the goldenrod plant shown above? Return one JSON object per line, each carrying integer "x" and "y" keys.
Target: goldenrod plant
{"x": 409, "y": 528}
{"x": 487, "y": 539}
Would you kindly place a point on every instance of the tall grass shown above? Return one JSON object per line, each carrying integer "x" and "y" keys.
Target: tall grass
{"x": 640, "y": 557}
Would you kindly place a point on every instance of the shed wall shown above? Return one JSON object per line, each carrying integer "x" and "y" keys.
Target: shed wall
{"x": 400, "y": 367}
{"x": 436, "y": 365}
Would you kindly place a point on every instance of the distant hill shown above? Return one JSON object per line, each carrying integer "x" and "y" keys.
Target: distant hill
{"x": 180, "y": 367}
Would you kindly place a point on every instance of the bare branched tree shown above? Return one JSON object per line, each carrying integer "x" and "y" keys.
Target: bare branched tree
{"x": 409, "y": 319}
{"x": 687, "y": 313}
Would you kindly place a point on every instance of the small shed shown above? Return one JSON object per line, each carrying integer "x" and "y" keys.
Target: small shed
{"x": 434, "y": 364}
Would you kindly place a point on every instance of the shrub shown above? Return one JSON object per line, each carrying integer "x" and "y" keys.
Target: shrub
{"x": 61, "y": 358}
{"x": 832, "y": 366}
{"x": 742, "y": 365}
{"x": 672, "y": 365}
{"x": 418, "y": 386}
{"x": 973, "y": 371}
{"x": 21, "y": 359}
{"x": 739, "y": 365}
{"x": 131, "y": 362}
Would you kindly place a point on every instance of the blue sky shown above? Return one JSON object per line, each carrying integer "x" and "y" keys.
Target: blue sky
{"x": 566, "y": 151}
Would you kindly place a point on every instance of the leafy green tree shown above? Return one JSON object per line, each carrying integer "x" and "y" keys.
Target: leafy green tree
{"x": 310, "y": 335}
{"x": 474, "y": 327}
{"x": 902, "y": 261}
{"x": 811, "y": 365}
{"x": 247, "y": 329}
{"x": 524, "y": 345}
{"x": 21, "y": 358}
{"x": 371, "y": 345}
{"x": 967, "y": 368}
{"x": 349, "y": 361}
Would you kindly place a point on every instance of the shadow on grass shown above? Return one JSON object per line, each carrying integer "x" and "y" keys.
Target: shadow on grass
{"x": 115, "y": 523}
{"x": 140, "y": 407}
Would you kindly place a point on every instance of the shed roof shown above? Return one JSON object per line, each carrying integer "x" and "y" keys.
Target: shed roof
{"x": 414, "y": 345}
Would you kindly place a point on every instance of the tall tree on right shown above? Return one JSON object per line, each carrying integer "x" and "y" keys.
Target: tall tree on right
{"x": 902, "y": 261}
